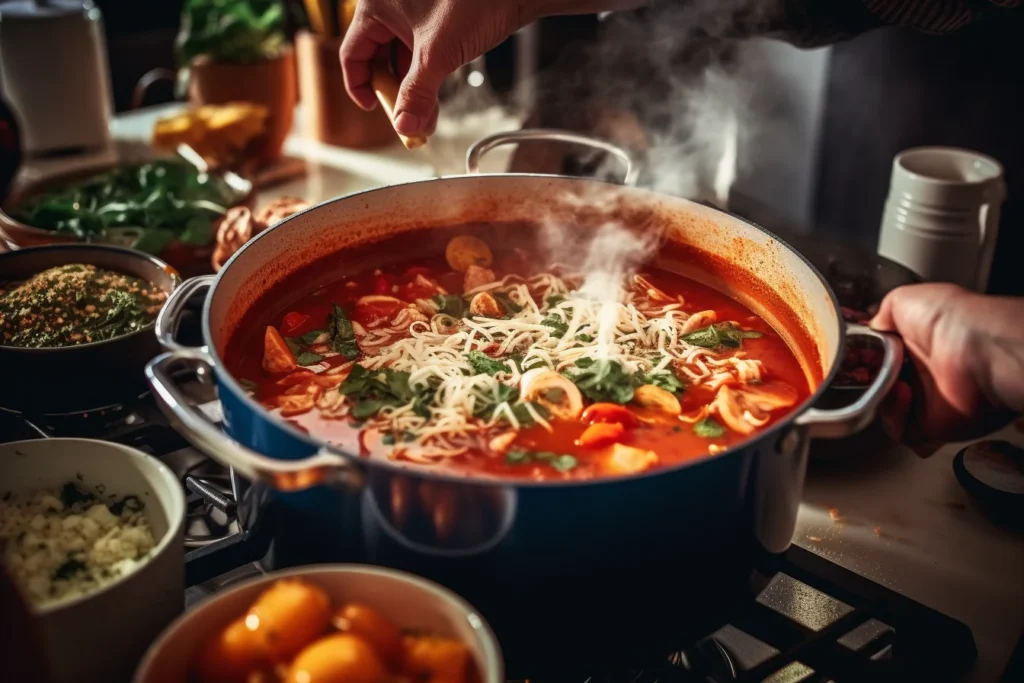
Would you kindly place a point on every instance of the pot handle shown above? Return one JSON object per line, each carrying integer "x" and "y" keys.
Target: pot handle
{"x": 846, "y": 421}
{"x": 167, "y": 319}
{"x": 481, "y": 147}
{"x": 282, "y": 475}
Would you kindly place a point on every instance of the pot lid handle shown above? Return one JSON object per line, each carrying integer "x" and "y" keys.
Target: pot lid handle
{"x": 481, "y": 147}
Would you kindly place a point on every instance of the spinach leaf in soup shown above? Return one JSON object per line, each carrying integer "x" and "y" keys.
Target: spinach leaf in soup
{"x": 720, "y": 335}
{"x": 342, "y": 336}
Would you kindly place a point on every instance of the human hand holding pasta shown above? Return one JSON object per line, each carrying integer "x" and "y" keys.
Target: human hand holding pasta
{"x": 438, "y": 37}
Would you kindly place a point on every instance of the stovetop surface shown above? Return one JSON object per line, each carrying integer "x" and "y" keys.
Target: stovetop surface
{"x": 815, "y": 621}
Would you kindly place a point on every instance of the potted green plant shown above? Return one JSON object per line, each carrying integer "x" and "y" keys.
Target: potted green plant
{"x": 238, "y": 51}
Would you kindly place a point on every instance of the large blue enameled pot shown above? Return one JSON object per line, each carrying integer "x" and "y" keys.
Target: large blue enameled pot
{"x": 585, "y": 574}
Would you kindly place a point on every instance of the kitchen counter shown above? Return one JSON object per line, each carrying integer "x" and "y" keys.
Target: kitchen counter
{"x": 897, "y": 519}
{"x": 906, "y": 523}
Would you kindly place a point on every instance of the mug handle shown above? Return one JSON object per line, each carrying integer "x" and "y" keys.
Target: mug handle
{"x": 481, "y": 147}
{"x": 848, "y": 420}
{"x": 991, "y": 212}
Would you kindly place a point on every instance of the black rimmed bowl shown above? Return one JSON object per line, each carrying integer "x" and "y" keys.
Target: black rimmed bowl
{"x": 85, "y": 377}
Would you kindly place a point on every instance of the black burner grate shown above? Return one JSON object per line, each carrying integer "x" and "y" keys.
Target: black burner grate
{"x": 815, "y": 622}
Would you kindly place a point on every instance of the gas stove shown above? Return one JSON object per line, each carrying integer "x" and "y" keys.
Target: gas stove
{"x": 815, "y": 620}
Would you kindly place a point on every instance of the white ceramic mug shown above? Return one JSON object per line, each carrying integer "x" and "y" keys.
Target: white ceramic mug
{"x": 942, "y": 215}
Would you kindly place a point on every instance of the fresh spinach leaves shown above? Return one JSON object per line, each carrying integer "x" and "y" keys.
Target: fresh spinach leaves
{"x": 452, "y": 305}
{"x": 718, "y": 335}
{"x": 708, "y": 428}
{"x": 342, "y": 337}
{"x": 561, "y": 463}
{"x": 483, "y": 364}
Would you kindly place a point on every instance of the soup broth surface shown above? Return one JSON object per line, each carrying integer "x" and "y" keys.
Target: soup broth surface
{"x": 504, "y": 365}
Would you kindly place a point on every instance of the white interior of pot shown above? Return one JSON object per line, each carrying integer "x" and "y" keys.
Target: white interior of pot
{"x": 762, "y": 273}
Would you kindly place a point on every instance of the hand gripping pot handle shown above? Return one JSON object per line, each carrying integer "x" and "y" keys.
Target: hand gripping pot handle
{"x": 846, "y": 421}
{"x": 284, "y": 475}
{"x": 481, "y": 147}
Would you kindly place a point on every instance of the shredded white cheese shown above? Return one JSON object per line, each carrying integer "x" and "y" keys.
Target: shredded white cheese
{"x": 643, "y": 332}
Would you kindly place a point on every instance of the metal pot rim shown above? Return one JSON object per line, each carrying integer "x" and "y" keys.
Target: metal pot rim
{"x": 780, "y": 428}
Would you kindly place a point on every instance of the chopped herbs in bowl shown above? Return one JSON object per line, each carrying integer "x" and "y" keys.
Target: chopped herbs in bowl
{"x": 75, "y": 304}
{"x": 145, "y": 206}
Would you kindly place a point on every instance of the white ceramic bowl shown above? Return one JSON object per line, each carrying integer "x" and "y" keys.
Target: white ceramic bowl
{"x": 407, "y": 600}
{"x": 102, "y": 636}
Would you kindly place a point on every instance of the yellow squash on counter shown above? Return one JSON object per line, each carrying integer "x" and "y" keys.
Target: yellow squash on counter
{"x": 219, "y": 133}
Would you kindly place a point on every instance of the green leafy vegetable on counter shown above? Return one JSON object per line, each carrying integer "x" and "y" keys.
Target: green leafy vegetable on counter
{"x": 562, "y": 463}
{"x": 483, "y": 364}
{"x": 231, "y": 31}
{"x": 146, "y": 204}
{"x": 708, "y": 428}
{"x": 342, "y": 337}
{"x": 719, "y": 335}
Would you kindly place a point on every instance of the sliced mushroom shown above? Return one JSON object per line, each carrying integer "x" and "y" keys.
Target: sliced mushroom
{"x": 427, "y": 306}
{"x": 744, "y": 409}
{"x": 444, "y": 324}
{"x": 332, "y": 404}
{"x": 553, "y": 391}
{"x": 277, "y": 357}
{"x": 407, "y": 316}
{"x": 378, "y": 299}
{"x": 650, "y": 396}
{"x": 476, "y": 276}
{"x": 465, "y": 251}
{"x": 485, "y": 305}
{"x": 629, "y": 460}
{"x": 698, "y": 321}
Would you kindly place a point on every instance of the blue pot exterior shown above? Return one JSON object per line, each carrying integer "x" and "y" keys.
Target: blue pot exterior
{"x": 564, "y": 574}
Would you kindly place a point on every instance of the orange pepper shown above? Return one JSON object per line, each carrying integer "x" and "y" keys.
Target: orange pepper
{"x": 600, "y": 434}
{"x": 608, "y": 413}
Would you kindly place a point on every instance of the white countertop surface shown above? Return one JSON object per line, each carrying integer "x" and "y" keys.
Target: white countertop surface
{"x": 903, "y": 521}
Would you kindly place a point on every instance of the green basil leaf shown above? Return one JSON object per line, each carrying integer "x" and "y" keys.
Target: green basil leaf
{"x": 564, "y": 463}
{"x": 306, "y": 358}
{"x": 295, "y": 345}
{"x": 311, "y": 337}
{"x": 557, "y": 325}
{"x": 517, "y": 457}
{"x": 483, "y": 364}
{"x": 708, "y": 428}
{"x": 450, "y": 304}
{"x": 511, "y": 307}
{"x": 554, "y": 300}
{"x": 720, "y": 335}
{"x": 342, "y": 335}
{"x": 366, "y": 408}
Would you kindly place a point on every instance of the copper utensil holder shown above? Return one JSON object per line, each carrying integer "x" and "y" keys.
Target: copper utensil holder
{"x": 328, "y": 114}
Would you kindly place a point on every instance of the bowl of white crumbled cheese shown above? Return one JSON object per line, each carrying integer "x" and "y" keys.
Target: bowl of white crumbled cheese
{"x": 91, "y": 534}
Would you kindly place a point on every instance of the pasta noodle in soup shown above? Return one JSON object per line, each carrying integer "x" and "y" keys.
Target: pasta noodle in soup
{"x": 499, "y": 366}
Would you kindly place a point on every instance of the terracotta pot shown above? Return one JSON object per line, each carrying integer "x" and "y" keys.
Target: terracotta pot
{"x": 270, "y": 83}
{"x": 328, "y": 114}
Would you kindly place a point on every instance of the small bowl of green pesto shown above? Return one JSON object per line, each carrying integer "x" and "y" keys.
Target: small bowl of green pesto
{"x": 163, "y": 207}
{"x": 76, "y": 325}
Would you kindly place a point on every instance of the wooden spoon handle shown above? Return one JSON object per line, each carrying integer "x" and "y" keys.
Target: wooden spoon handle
{"x": 386, "y": 86}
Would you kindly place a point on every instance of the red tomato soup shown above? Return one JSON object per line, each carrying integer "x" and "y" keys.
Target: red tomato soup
{"x": 501, "y": 366}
